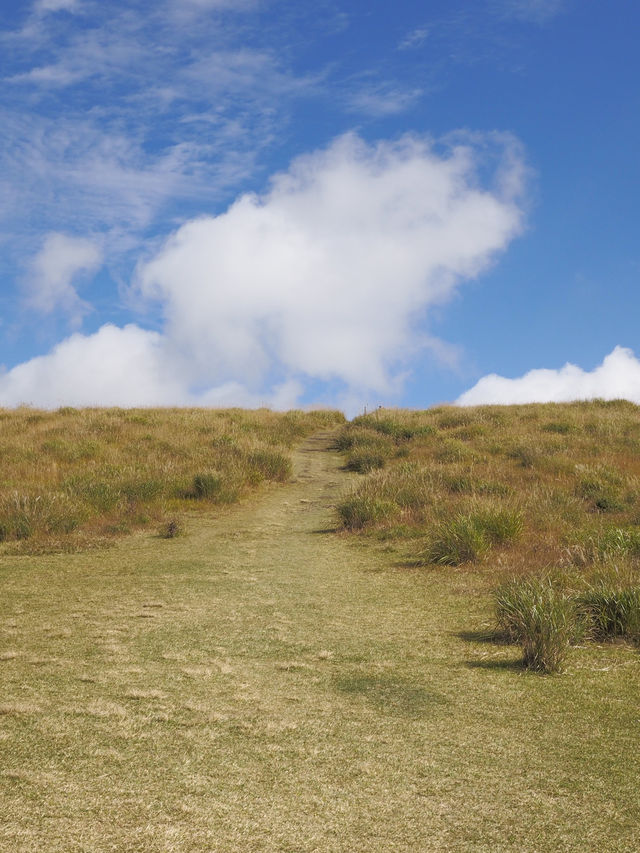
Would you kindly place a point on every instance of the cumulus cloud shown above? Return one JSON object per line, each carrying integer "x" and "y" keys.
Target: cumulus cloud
{"x": 324, "y": 275}
{"x": 112, "y": 367}
{"x": 60, "y": 261}
{"x": 618, "y": 377}
{"x": 328, "y": 276}
{"x": 126, "y": 366}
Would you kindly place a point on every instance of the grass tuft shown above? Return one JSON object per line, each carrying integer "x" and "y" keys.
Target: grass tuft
{"x": 454, "y": 542}
{"x": 360, "y": 511}
{"x": 469, "y": 536}
{"x": 611, "y": 611}
{"x": 171, "y": 529}
{"x": 540, "y": 618}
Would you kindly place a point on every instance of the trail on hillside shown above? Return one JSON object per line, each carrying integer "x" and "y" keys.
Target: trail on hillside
{"x": 265, "y": 683}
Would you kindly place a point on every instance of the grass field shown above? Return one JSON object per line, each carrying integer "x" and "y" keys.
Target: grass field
{"x": 271, "y": 681}
{"x": 544, "y": 498}
{"x": 77, "y": 478}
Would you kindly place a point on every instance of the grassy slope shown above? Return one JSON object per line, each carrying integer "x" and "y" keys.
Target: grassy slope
{"x": 263, "y": 684}
{"x": 569, "y": 473}
{"x": 75, "y": 478}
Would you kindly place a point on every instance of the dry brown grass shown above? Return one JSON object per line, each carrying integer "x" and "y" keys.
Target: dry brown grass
{"x": 78, "y": 478}
{"x": 297, "y": 691}
{"x": 571, "y": 470}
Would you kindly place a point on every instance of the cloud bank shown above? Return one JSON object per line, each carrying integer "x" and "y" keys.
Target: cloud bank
{"x": 618, "y": 377}
{"x": 325, "y": 277}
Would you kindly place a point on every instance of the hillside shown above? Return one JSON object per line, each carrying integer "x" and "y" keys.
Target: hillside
{"x": 272, "y": 681}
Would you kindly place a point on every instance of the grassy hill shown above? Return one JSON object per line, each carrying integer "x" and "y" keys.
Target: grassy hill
{"x": 78, "y": 477}
{"x": 544, "y": 498}
{"x": 318, "y": 666}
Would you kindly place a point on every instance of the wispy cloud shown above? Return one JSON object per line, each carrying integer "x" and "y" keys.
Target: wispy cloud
{"x": 618, "y": 377}
{"x": 131, "y": 94}
{"x": 129, "y": 120}
{"x": 43, "y": 6}
{"x": 49, "y": 282}
{"x": 416, "y": 38}
{"x": 380, "y": 99}
{"x": 536, "y": 11}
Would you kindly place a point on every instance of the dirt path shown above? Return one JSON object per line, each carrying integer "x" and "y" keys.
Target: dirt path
{"x": 240, "y": 688}
{"x": 265, "y": 684}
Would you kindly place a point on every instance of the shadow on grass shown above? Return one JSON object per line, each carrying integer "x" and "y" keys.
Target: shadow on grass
{"x": 497, "y": 665}
{"x": 494, "y": 638}
{"x": 417, "y": 564}
{"x": 390, "y": 694}
{"x": 488, "y": 635}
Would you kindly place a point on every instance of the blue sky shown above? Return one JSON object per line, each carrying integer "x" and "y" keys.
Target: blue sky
{"x": 217, "y": 202}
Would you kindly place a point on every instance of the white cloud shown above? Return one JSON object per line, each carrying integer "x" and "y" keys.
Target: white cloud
{"x": 122, "y": 367}
{"x": 113, "y": 367}
{"x": 51, "y": 75}
{"x": 324, "y": 277}
{"x": 383, "y": 99}
{"x": 184, "y": 7}
{"x": 618, "y": 377}
{"x": 324, "y": 274}
{"x": 61, "y": 259}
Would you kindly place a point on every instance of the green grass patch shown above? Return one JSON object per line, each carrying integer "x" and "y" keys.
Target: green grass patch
{"x": 540, "y": 618}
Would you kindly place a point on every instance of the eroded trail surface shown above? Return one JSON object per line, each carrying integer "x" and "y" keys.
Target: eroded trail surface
{"x": 267, "y": 684}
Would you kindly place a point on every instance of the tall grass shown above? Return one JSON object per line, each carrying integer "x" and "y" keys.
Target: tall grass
{"x": 546, "y": 613}
{"x": 611, "y": 610}
{"x": 469, "y": 536}
{"x": 540, "y": 618}
{"x": 75, "y": 477}
{"x": 561, "y": 474}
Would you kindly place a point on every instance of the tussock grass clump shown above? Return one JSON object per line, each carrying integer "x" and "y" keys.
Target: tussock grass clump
{"x": 404, "y": 490}
{"x": 611, "y": 610}
{"x": 469, "y": 536}
{"x": 602, "y": 487}
{"x": 454, "y": 450}
{"x": 546, "y": 613}
{"x": 606, "y": 544}
{"x": 525, "y": 455}
{"x": 360, "y": 511}
{"x": 171, "y": 529}
{"x": 23, "y": 516}
{"x": 206, "y": 487}
{"x": 455, "y": 542}
{"x": 81, "y": 475}
{"x": 540, "y": 618}
{"x": 500, "y": 525}
{"x": 271, "y": 465}
{"x": 559, "y": 427}
{"x": 364, "y": 461}
{"x": 367, "y": 450}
